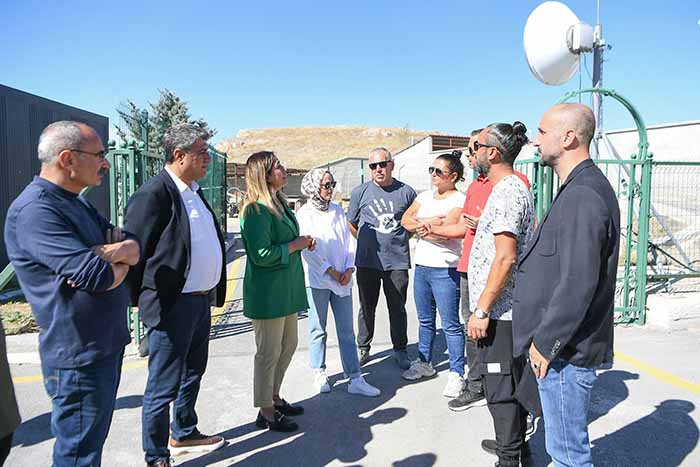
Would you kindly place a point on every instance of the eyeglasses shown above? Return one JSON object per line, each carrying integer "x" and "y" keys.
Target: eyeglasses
{"x": 100, "y": 154}
{"x": 478, "y": 145}
{"x": 436, "y": 171}
{"x": 328, "y": 185}
{"x": 382, "y": 164}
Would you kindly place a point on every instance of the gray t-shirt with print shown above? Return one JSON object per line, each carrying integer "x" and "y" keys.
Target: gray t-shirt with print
{"x": 508, "y": 209}
{"x": 382, "y": 242}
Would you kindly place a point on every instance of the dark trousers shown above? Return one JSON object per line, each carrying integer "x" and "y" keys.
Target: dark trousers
{"x": 395, "y": 285}
{"x": 5, "y": 445}
{"x": 474, "y": 383}
{"x": 501, "y": 374}
{"x": 82, "y": 403}
{"x": 178, "y": 351}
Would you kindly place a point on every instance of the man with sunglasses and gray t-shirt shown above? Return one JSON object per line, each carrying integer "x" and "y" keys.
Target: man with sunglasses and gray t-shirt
{"x": 382, "y": 257}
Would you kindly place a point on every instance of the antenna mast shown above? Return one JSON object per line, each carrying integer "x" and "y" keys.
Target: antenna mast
{"x": 598, "y": 45}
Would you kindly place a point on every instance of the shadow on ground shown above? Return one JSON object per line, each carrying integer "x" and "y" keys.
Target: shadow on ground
{"x": 38, "y": 429}
{"x": 336, "y": 426}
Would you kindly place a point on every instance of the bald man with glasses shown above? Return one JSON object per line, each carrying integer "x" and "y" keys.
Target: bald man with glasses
{"x": 382, "y": 257}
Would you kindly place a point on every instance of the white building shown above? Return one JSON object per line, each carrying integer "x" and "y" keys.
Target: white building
{"x": 411, "y": 164}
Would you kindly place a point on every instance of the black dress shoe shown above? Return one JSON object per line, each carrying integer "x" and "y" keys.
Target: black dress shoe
{"x": 285, "y": 408}
{"x": 278, "y": 423}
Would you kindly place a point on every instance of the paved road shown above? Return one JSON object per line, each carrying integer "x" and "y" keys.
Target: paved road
{"x": 645, "y": 409}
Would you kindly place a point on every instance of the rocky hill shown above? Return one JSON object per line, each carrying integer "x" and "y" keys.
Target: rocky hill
{"x": 306, "y": 147}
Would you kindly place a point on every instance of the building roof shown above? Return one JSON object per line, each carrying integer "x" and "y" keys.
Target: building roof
{"x": 237, "y": 169}
{"x": 342, "y": 159}
{"x": 655, "y": 127}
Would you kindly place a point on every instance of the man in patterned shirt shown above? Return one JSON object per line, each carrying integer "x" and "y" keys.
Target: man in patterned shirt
{"x": 505, "y": 226}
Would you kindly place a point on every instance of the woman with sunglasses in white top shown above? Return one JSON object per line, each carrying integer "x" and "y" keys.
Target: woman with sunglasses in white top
{"x": 436, "y": 280}
{"x": 329, "y": 269}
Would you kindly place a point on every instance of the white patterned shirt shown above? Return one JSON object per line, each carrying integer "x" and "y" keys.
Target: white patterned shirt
{"x": 508, "y": 209}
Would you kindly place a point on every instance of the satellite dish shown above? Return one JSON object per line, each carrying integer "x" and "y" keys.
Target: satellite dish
{"x": 554, "y": 38}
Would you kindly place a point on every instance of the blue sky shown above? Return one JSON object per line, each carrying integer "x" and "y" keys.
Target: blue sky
{"x": 447, "y": 66}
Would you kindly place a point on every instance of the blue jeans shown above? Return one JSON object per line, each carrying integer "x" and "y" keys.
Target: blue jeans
{"x": 565, "y": 393}
{"x": 82, "y": 401}
{"x": 318, "y": 317}
{"x": 439, "y": 288}
{"x": 178, "y": 349}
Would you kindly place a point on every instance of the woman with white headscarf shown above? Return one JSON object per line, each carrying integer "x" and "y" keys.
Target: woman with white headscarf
{"x": 329, "y": 269}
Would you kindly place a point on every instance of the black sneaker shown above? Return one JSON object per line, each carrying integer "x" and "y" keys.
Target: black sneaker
{"x": 466, "y": 400}
{"x": 490, "y": 446}
{"x": 279, "y": 423}
{"x": 364, "y": 356}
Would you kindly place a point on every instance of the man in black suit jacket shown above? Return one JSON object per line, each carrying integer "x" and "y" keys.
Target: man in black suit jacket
{"x": 565, "y": 283}
{"x": 182, "y": 271}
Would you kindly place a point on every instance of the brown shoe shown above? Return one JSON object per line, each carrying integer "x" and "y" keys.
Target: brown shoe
{"x": 195, "y": 443}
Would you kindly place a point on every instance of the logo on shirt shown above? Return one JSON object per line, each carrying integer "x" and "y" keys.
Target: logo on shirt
{"x": 386, "y": 222}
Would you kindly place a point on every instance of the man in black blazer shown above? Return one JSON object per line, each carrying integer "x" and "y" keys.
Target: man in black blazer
{"x": 565, "y": 283}
{"x": 181, "y": 273}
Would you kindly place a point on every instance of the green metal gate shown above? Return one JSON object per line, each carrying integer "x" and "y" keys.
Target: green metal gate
{"x": 631, "y": 180}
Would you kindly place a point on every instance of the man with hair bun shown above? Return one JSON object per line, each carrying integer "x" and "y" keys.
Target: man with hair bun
{"x": 181, "y": 275}
{"x": 504, "y": 228}
{"x": 565, "y": 284}
{"x": 478, "y": 194}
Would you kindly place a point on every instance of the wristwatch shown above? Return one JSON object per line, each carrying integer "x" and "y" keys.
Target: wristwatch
{"x": 481, "y": 314}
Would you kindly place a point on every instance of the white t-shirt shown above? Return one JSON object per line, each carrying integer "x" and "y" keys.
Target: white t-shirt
{"x": 335, "y": 247}
{"x": 442, "y": 254}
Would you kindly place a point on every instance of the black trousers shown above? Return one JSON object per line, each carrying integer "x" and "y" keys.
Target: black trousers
{"x": 5, "y": 445}
{"x": 395, "y": 285}
{"x": 474, "y": 383}
{"x": 501, "y": 374}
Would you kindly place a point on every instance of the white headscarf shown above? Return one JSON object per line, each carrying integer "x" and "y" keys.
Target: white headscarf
{"x": 311, "y": 188}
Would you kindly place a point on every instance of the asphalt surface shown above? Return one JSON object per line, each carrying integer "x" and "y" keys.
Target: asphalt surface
{"x": 644, "y": 409}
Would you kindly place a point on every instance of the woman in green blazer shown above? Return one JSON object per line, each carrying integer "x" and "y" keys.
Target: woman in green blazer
{"x": 273, "y": 287}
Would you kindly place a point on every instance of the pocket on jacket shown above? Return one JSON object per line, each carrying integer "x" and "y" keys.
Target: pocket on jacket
{"x": 547, "y": 246}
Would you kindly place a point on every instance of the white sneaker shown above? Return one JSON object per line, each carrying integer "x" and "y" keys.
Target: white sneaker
{"x": 360, "y": 386}
{"x": 455, "y": 385}
{"x": 321, "y": 382}
{"x": 418, "y": 370}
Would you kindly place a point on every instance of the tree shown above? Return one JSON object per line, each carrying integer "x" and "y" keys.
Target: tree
{"x": 168, "y": 111}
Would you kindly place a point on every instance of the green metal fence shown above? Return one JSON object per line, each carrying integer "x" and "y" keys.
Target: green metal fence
{"x": 214, "y": 185}
{"x": 660, "y": 215}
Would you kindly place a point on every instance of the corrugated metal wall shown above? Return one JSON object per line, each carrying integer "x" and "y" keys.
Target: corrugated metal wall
{"x": 22, "y": 118}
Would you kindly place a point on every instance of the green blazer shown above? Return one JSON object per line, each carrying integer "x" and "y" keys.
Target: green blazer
{"x": 274, "y": 278}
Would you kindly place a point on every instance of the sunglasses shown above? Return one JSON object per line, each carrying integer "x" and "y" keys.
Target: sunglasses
{"x": 436, "y": 171}
{"x": 382, "y": 164}
{"x": 328, "y": 185}
{"x": 478, "y": 145}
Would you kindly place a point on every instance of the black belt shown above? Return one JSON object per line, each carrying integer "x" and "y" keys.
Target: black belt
{"x": 199, "y": 292}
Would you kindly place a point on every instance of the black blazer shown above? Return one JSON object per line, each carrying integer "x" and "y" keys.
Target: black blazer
{"x": 565, "y": 284}
{"x": 157, "y": 216}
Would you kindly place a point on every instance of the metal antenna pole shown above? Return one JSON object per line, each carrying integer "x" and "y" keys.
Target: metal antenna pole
{"x": 598, "y": 44}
